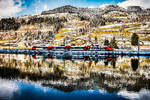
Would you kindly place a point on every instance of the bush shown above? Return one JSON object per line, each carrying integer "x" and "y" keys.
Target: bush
{"x": 9, "y": 24}
{"x": 113, "y": 43}
{"x": 134, "y": 39}
{"x": 106, "y": 42}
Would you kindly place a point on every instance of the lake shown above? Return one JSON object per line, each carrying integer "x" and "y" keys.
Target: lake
{"x": 30, "y": 77}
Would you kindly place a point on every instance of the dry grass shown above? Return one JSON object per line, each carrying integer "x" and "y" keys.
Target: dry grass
{"x": 62, "y": 31}
{"x": 125, "y": 66}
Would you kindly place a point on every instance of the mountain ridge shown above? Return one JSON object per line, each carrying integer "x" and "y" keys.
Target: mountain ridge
{"x": 72, "y": 9}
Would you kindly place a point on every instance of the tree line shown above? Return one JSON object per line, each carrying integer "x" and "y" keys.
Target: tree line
{"x": 9, "y": 24}
{"x": 113, "y": 43}
{"x": 14, "y": 24}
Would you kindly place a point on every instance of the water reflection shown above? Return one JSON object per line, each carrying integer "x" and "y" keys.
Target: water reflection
{"x": 24, "y": 91}
{"x": 134, "y": 64}
{"x": 120, "y": 75}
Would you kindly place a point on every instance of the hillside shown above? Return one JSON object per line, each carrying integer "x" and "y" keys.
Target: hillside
{"x": 77, "y": 26}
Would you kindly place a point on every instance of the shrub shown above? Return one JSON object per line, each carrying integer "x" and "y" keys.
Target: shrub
{"x": 134, "y": 39}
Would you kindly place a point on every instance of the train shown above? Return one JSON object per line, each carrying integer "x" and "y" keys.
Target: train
{"x": 74, "y": 48}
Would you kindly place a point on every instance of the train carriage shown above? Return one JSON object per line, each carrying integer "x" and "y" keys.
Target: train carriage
{"x": 74, "y": 48}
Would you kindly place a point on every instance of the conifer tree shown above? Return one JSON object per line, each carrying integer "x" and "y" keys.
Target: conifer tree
{"x": 134, "y": 39}
{"x": 113, "y": 43}
{"x": 106, "y": 42}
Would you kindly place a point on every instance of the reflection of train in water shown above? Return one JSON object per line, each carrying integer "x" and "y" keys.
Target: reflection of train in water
{"x": 83, "y": 58}
{"x": 74, "y": 48}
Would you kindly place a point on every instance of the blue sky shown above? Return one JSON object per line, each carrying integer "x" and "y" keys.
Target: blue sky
{"x": 10, "y": 8}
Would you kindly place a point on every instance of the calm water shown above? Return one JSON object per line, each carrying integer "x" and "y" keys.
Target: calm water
{"x": 24, "y": 77}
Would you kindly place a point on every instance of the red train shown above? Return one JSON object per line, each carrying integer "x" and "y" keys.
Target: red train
{"x": 74, "y": 48}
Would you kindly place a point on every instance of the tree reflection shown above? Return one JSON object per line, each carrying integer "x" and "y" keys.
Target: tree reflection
{"x": 134, "y": 64}
{"x": 110, "y": 60}
{"x": 106, "y": 63}
{"x": 102, "y": 72}
{"x": 113, "y": 62}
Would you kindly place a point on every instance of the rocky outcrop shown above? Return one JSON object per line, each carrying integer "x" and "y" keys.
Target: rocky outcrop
{"x": 138, "y": 10}
{"x": 113, "y": 8}
{"x": 134, "y": 9}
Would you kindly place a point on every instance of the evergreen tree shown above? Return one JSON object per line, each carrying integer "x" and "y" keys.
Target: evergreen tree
{"x": 113, "y": 43}
{"x": 134, "y": 39}
{"x": 106, "y": 42}
{"x": 96, "y": 40}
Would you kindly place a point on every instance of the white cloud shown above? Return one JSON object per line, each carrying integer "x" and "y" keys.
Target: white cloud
{"x": 104, "y": 5}
{"x": 142, "y": 3}
{"x": 45, "y": 7}
{"x": 42, "y": 7}
{"x": 10, "y": 7}
{"x": 91, "y": 7}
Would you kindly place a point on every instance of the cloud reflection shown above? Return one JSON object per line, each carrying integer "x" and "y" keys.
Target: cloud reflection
{"x": 7, "y": 89}
{"x": 142, "y": 95}
{"x": 145, "y": 95}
